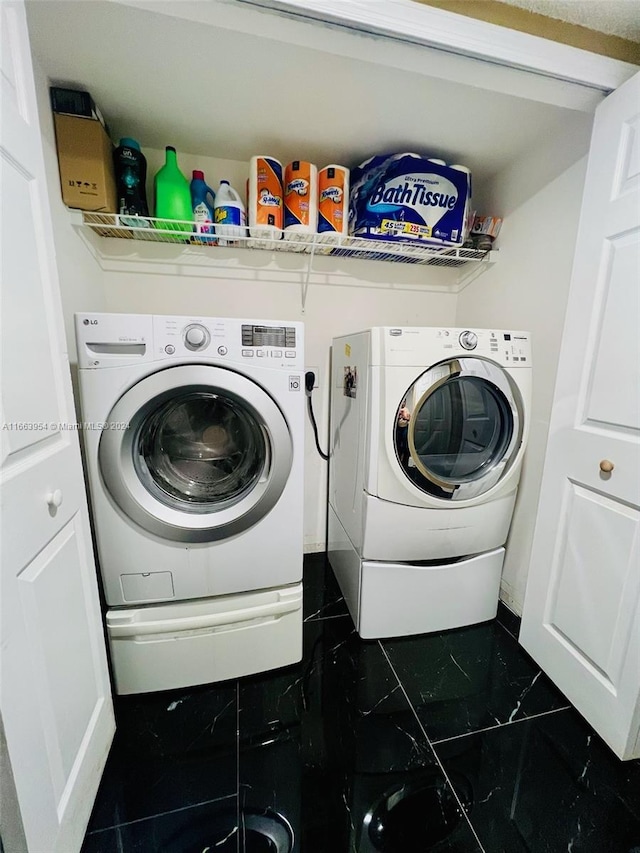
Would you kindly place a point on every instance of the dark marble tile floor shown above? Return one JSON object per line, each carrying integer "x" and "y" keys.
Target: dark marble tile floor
{"x": 452, "y": 742}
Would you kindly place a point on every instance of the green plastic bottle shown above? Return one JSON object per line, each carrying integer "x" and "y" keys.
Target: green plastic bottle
{"x": 173, "y": 197}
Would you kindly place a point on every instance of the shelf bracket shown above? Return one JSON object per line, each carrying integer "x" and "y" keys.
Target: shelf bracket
{"x": 473, "y": 271}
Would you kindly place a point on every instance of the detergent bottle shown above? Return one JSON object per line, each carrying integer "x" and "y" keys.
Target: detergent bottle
{"x": 130, "y": 168}
{"x": 230, "y": 215}
{"x": 203, "y": 201}
{"x": 173, "y": 196}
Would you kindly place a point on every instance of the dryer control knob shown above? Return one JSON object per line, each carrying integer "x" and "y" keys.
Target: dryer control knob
{"x": 196, "y": 337}
{"x": 468, "y": 340}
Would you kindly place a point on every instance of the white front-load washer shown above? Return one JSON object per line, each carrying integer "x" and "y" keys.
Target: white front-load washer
{"x": 193, "y": 435}
{"x": 428, "y": 431}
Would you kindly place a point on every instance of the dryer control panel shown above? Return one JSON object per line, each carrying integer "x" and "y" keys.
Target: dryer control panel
{"x": 415, "y": 345}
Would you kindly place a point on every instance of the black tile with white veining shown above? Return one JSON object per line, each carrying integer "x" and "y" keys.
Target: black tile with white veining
{"x": 469, "y": 679}
{"x": 547, "y": 785}
{"x": 322, "y": 742}
{"x": 171, "y": 749}
{"x": 322, "y": 596}
{"x": 330, "y": 757}
{"x": 210, "y": 826}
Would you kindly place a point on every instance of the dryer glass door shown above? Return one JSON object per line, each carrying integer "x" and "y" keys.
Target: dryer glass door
{"x": 458, "y": 428}
{"x": 206, "y": 455}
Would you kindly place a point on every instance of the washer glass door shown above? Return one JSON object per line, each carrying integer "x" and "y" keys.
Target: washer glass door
{"x": 459, "y": 428}
{"x": 200, "y": 451}
{"x": 206, "y": 455}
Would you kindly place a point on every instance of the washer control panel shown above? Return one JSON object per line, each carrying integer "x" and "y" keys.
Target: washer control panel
{"x": 267, "y": 341}
{"x": 110, "y": 340}
{"x": 263, "y": 344}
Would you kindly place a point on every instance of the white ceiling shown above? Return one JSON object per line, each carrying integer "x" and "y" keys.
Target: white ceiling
{"x": 614, "y": 17}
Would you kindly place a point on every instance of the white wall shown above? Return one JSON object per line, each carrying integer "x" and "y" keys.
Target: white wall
{"x": 527, "y": 289}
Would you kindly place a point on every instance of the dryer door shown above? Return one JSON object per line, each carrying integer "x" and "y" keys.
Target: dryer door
{"x": 458, "y": 428}
{"x": 206, "y": 455}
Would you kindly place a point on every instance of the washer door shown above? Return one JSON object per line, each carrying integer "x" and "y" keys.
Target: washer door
{"x": 459, "y": 428}
{"x": 206, "y": 455}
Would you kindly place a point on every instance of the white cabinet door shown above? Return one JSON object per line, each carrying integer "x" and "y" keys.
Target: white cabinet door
{"x": 55, "y": 695}
{"x": 581, "y": 619}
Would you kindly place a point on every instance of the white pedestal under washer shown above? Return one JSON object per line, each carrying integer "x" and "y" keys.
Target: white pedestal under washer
{"x": 193, "y": 435}
{"x": 428, "y": 432}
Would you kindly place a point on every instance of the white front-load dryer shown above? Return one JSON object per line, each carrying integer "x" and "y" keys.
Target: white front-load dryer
{"x": 427, "y": 449}
{"x": 193, "y": 436}
{"x": 448, "y": 432}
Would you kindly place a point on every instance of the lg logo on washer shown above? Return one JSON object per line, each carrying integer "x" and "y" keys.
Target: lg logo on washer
{"x": 90, "y": 322}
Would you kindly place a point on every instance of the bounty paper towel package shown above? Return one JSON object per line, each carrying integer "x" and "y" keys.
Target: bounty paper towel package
{"x": 407, "y": 197}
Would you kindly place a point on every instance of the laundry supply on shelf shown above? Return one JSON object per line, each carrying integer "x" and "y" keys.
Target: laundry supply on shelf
{"x": 203, "y": 200}
{"x": 407, "y": 197}
{"x": 484, "y": 231}
{"x": 265, "y": 198}
{"x": 85, "y": 152}
{"x": 469, "y": 214}
{"x": 173, "y": 196}
{"x": 333, "y": 200}
{"x": 229, "y": 214}
{"x": 300, "y": 198}
{"x": 130, "y": 166}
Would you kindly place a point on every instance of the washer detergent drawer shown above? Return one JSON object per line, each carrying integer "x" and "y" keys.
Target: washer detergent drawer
{"x": 198, "y": 642}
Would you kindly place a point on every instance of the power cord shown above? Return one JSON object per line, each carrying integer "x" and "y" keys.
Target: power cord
{"x": 309, "y": 381}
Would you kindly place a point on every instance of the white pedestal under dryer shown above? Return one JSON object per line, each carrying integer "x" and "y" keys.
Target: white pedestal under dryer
{"x": 428, "y": 431}
{"x": 194, "y": 443}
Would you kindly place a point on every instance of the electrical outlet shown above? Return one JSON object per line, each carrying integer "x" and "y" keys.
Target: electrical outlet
{"x": 316, "y": 371}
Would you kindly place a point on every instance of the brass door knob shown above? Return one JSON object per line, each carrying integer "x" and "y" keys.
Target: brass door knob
{"x": 606, "y": 467}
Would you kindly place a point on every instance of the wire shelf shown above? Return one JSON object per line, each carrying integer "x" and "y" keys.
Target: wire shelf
{"x": 179, "y": 232}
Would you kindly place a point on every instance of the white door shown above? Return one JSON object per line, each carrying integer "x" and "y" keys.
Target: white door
{"x": 55, "y": 696}
{"x": 581, "y": 618}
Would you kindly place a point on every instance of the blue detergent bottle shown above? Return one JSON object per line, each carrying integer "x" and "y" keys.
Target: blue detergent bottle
{"x": 203, "y": 200}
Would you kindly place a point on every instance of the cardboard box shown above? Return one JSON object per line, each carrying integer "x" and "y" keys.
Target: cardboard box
{"x": 85, "y": 160}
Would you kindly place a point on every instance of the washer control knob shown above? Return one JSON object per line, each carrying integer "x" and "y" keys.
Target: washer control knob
{"x": 196, "y": 337}
{"x": 222, "y": 350}
{"x": 468, "y": 340}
